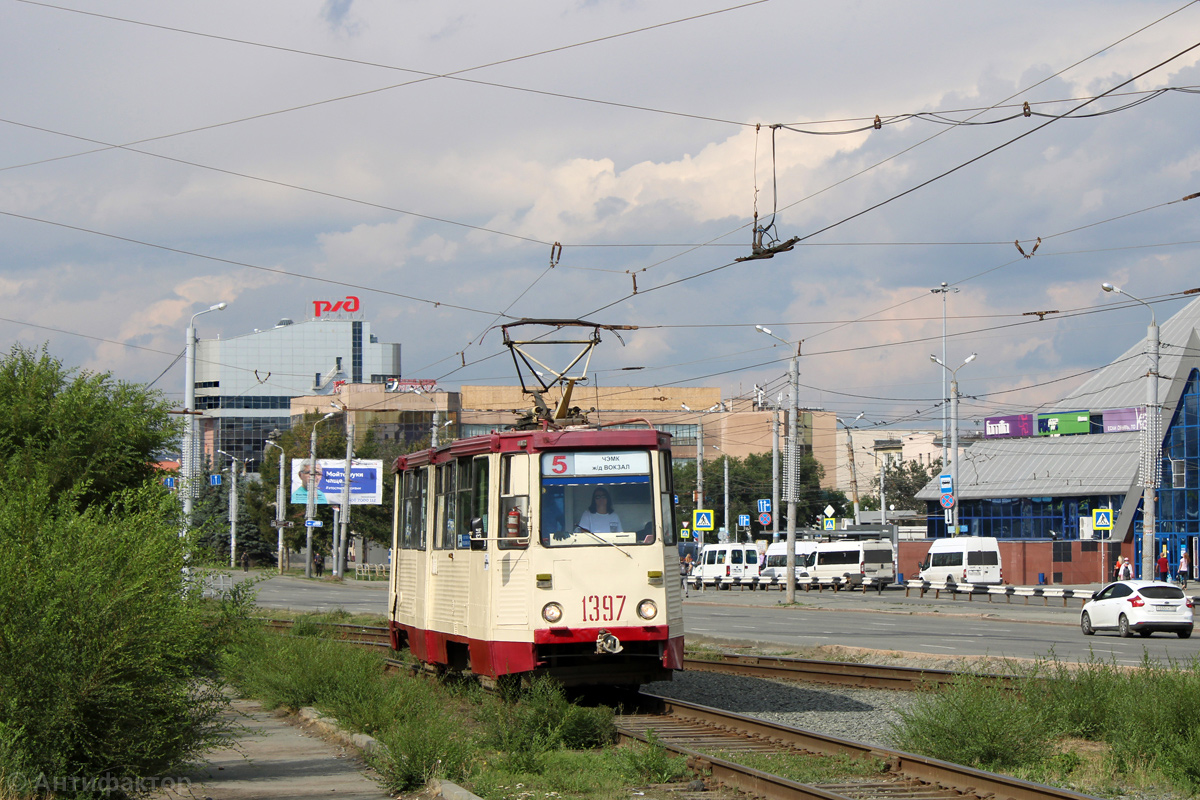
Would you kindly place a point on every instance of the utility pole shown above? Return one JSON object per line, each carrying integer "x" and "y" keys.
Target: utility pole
{"x": 790, "y": 468}
{"x": 1151, "y": 440}
{"x": 343, "y": 545}
{"x": 279, "y": 507}
{"x": 943, "y": 290}
{"x": 310, "y": 509}
{"x": 775, "y": 472}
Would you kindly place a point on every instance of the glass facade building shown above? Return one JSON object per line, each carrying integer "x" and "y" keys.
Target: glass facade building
{"x": 245, "y": 384}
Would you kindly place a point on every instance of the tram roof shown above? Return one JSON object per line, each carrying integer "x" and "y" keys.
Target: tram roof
{"x": 539, "y": 441}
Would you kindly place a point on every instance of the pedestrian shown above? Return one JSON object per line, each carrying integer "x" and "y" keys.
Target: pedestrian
{"x": 245, "y": 561}
{"x": 319, "y": 564}
{"x": 1126, "y": 570}
{"x": 1117, "y": 569}
{"x": 685, "y": 569}
{"x": 1185, "y": 566}
{"x": 1164, "y": 566}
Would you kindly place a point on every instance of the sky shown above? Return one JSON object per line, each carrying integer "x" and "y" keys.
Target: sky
{"x": 157, "y": 158}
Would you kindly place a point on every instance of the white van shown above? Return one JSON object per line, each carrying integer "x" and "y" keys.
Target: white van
{"x": 721, "y": 564}
{"x": 963, "y": 559}
{"x": 857, "y": 561}
{"x": 776, "y": 566}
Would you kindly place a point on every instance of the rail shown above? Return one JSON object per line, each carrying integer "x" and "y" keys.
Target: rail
{"x": 839, "y": 673}
{"x": 684, "y": 728}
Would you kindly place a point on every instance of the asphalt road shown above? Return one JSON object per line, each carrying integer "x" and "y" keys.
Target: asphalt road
{"x": 887, "y": 621}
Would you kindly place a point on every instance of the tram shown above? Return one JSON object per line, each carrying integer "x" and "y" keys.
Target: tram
{"x": 548, "y": 551}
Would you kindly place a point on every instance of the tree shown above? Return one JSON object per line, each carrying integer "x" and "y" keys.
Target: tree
{"x": 93, "y": 435}
{"x": 749, "y": 481}
{"x": 902, "y": 481}
{"x": 210, "y": 521}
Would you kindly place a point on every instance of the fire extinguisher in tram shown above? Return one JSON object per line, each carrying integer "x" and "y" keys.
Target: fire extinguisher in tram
{"x": 514, "y": 523}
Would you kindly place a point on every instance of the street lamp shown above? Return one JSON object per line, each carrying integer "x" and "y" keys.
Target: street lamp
{"x": 850, "y": 455}
{"x": 1151, "y": 439}
{"x": 279, "y": 507}
{"x": 310, "y": 509}
{"x": 188, "y": 467}
{"x": 943, "y": 290}
{"x": 726, "y": 459}
{"x": 953, "y": 432}
{"x": 233, "y": 506}
{"x": 790, "y": 467}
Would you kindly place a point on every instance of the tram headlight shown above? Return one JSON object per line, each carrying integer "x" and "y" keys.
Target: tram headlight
{"x": 552, "y": 612}
{"x": 647, "y": 609}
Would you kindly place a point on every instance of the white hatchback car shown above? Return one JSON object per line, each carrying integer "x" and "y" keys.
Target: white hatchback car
{"x": 1142, "y": 606}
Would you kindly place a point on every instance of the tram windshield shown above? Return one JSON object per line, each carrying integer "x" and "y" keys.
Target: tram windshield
{"x": 597, "y": 498}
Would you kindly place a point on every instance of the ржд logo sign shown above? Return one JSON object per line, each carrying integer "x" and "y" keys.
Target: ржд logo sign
{"x": 350, "y": 304}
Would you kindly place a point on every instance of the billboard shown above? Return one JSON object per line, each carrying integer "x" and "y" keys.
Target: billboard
{"x": 1124, "y": 419}
{"x": 1005, "y": 427}
{"x": 366, "y": 481}
{"x": 1064, "y": 422}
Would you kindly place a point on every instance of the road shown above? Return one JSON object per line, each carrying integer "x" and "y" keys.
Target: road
{"x": 887, "y": 621}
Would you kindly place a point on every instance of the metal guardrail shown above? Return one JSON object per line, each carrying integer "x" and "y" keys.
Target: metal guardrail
{"x": 970, "y": 590}
{"x": 807, "y": 584}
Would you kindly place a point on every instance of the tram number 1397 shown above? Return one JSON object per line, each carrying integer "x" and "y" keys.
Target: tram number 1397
{"x": 603, "y": 608}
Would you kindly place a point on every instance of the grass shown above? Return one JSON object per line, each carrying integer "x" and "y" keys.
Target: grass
{"x": 1094, "y": 727}
{"x": 338, "y": 616}
{"x": 807, "y": 768}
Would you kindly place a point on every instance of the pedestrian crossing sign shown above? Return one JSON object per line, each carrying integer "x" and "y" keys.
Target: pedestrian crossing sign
{"x": 829, "y": 523}
{"x": 1102, "y": 519}
{"x": 702, "y": 520}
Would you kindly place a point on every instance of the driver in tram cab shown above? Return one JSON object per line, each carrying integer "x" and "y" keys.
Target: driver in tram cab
{"x": 600, "y": 517}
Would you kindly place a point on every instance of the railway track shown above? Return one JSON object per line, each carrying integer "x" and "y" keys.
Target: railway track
{"x": 698, "y": 732}
{"x": 831, "y": 672}
{"x": 776, "y": 667}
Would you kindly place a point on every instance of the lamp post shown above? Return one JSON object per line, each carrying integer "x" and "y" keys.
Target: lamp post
{"x": 310, "y": 509}
{"x": 943, "y": 290}
{"x": 1151, "y": 439}
{"x": 188, "y": 467}
{"x": 954, "y": 432}
{"x": 850, "y": 455}
{"x": 279, "y": 507}
{"x": 726, "y": 460}
{"x": 790, "y": 468}
{"x": 233, "y": 506}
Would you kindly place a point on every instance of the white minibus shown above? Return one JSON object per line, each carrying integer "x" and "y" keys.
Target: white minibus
{"x": 963, "y": 559}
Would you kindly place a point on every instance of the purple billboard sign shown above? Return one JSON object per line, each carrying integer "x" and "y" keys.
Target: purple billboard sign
{"x": 1124, "y": 419}
{"x": 1007, "y": 427}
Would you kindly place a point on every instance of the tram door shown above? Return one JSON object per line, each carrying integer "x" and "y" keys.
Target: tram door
{"x": 511, "y": 579}
{"x": 449, "y": 567}
{"x": 409, "y": 563}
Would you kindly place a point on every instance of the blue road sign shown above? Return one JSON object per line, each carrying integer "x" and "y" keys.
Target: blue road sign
{"x": 828, "y": 523}
{"x": 1102, "y": 519}
{"x": 214, "y": 480}
{"x": 169, "y": 483}
{"x": 744, "y": 520}
{"x": 946, "y": 483}
{"x": 764, "y": 519}
{"x": 764, "y": 506}
{"x": 947, "y": 501}
{"x": 702, "y": 520}
{"x": 313, "y": 523}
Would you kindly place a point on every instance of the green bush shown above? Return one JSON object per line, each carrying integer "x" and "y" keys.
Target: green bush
{"x": 102, "y": 648}
{"x": 975, "y": 723}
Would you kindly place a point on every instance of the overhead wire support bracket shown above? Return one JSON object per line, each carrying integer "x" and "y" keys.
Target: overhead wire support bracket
{"x": 759, "y": 250}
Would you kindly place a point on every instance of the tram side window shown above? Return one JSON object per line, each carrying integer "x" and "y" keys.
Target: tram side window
{"x": 667, "y": 498}
{"x": 480, "y": 495}
{"x": 447, "y": 497}
{"x": 414, "y": 510}
{"x": 514, "y": 505}
{"x": 463, "y": 509}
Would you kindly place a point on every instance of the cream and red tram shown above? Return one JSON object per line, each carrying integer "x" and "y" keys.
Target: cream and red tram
{"x": 509, "y": 560}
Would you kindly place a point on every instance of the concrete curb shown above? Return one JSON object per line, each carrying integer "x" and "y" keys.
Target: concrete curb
{"x": 329, "y": 726}
{"x": 368, "y": 745}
